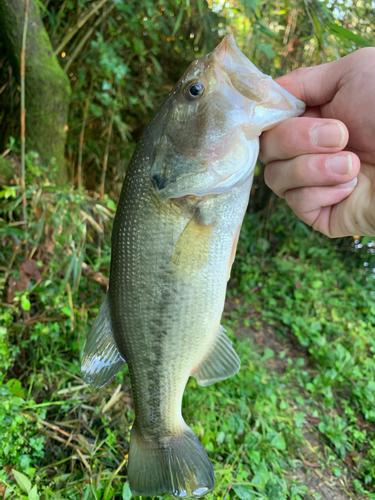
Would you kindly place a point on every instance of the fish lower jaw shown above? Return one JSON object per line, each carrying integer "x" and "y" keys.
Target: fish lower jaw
{"x": 218, "y": 183}
{"x": 237, "y": 178}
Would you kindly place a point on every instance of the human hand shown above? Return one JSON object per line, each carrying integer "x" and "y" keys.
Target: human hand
{"x": 323, "y": 163}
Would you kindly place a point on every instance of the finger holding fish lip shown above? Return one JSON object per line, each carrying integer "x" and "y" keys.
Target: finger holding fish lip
{"x": 307, "y": 167}
{"x": 314, "y": 170}
{"x": 300, "y": 136}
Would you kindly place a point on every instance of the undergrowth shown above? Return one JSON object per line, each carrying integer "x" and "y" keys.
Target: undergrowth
{"x": 61, "y": 439}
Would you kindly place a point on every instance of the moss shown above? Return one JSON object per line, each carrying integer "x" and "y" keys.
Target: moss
{"x": 47, "y": 86}
{"x": 6, "y": 171}
{"x": 47, "y": 102}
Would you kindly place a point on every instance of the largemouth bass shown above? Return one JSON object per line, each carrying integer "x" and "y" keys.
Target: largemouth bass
{"x": 173, "y": 244}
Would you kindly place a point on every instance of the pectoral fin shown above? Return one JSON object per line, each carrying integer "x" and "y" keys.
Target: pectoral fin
{"x": 220, "y": 362}
{"x": 191, "y": 252}
{"x": 101, "y": 358}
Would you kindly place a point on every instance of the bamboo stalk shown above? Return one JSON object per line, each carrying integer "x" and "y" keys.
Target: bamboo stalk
{"x": 11, "y": 88}
{"x": 102, "y": 184}
{"x": 82, "y": 135}
{"x": 82, "y": 42}
{"x": 105, "y": 161}
{"x": 58, "y": 19}
{"x": 23, "y": 113}
{"x": 79, "y": 25}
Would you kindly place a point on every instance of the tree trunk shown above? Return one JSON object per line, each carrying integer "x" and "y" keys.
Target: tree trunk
{"x": 47, "y": 86}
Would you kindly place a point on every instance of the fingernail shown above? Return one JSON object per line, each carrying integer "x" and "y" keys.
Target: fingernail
{"x": 340, "y": 164}
{"x": 330, "y": 135}
{"x": 350, "y": 185}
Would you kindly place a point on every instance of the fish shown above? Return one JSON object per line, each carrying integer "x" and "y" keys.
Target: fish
{"x": 174, "y": 239}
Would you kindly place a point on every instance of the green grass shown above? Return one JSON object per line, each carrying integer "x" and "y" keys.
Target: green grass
{"x": 302, "y": 319}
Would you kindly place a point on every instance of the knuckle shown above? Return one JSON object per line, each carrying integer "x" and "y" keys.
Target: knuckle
{"x": 291, "y": 197}
{"x": 268, "y": 175}
{"x": 299, "y": 170}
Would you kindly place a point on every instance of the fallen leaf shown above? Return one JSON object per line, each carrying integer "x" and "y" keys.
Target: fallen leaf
{"x": 28, "y": 270}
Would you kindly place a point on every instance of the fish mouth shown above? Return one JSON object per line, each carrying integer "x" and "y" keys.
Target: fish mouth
{"x": 269, "y": 103}
{"x": 229, "y": 55}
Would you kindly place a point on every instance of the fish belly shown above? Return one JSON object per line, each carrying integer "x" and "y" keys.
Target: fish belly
{"x": 166, "y": 324}
{"x": 165, "y": 321}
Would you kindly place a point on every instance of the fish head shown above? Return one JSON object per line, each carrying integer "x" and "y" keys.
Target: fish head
{"x": 214, "y": 117}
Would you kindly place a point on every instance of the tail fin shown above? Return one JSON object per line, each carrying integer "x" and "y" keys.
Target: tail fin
{"x": 177, "y": 465}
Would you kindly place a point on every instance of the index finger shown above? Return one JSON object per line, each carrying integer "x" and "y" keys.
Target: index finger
{"x": 300, "y": 136}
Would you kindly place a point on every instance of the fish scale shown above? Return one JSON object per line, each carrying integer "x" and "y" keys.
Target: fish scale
{"x": 174, "y": 237}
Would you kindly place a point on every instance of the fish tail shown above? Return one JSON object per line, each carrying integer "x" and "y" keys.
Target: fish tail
{"x": 177, "y": 465}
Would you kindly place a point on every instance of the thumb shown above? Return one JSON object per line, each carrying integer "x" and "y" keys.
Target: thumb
{"x": 316, "y": 85}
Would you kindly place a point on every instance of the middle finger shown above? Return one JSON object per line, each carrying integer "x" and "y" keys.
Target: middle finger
{"x": 311, "y": 170}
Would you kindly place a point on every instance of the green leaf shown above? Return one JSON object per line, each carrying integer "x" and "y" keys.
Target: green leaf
{"x": 178, "y": 21}
{"x": 367, "y": 239}
{"x": 278, "y": 442}
{"x": 33, "y": 493}
{"x": 108, "y": 494}
{"x": 263, "y": 28}
{"x": 318, "y": 27}
{"x": 261, "y": 475}
{"x": 346, "y": 34}
{"x": 95, "y": 109}
{"x": 111, "y": 204}
{"x": 23, "y": 482}
{"x": 317, "y": 284}
{"x": 15, "y": 387}
{"x": 25, "y": 303}
{"x": 244, "y": 492}
{"x": 220, "y": 438}
{"x": 106, "y": 85}
{"x": 267, "y": 49}
{"x": 299, "y": 418}
{"x": 158, "y": 68}
{"x": 273, "y": 491}
{"x": 126, "y": 493}
{"x": 254, "y": 456}
{"x": 41, "y": 5}
{"x": 66, "y": 310}
{"x": 77, "y": 270}
{"x": 139, "y": 46}
{"x": 68, "y": 272}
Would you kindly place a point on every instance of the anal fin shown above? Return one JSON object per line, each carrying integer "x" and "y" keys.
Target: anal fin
{"x": 219, "y": 363}
{"x": 101, "y": 358}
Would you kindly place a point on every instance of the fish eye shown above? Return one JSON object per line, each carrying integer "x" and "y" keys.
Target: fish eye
{"x": 194, "y": 90}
